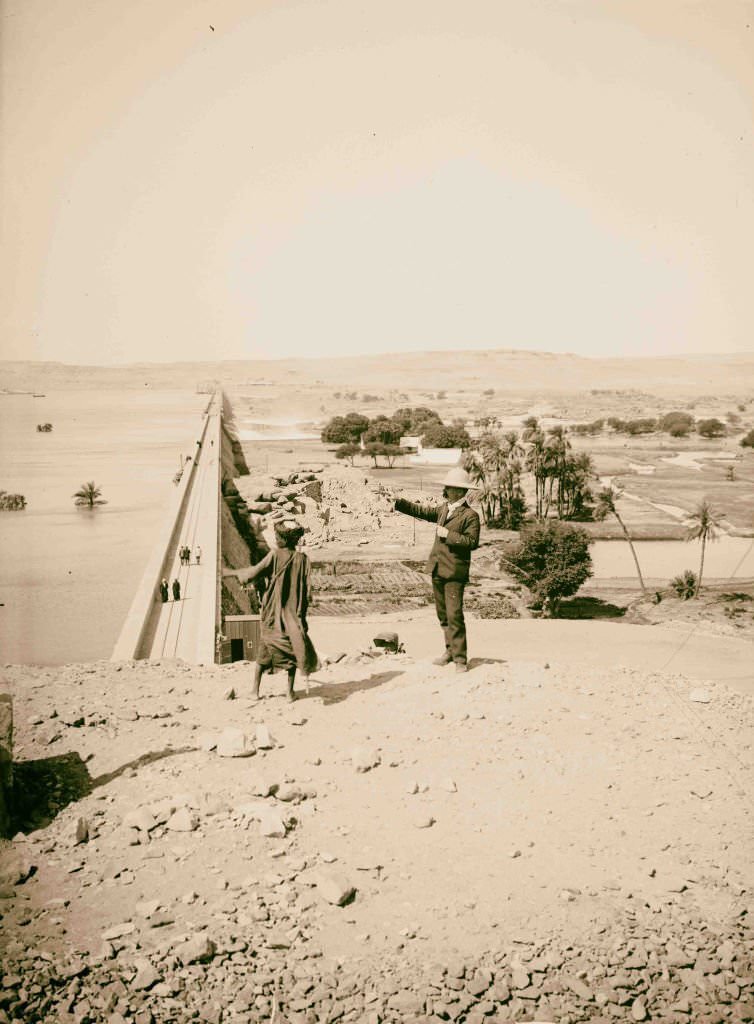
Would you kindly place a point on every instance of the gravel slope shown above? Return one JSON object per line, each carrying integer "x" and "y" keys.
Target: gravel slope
{"x": 528, "y": 841}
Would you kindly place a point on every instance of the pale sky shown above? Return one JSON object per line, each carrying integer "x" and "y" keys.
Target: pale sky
{"x": 349, "y": 176}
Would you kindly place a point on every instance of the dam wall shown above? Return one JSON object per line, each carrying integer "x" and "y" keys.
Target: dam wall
{"x": 193, "y": 515}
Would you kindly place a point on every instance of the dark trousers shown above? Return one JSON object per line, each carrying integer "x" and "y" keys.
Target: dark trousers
{"x": 449, "y": 606}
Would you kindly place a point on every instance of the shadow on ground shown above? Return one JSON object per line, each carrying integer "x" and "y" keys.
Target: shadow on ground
{"x": 42, "y": 788}
{"x": 589, "y": 608}
{"x": 334, "y": 693}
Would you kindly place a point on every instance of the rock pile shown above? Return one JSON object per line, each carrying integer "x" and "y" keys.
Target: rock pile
{"x": 339, "y": 504}
{"x": 249, "y": 968}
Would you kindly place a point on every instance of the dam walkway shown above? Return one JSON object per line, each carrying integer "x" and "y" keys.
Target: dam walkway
{"x": 183, "y": 628}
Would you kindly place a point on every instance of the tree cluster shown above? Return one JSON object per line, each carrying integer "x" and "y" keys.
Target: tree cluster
{"x": 595, "y": 427}
{"x": 381, "y": 435}
{"x": 495, "y": 465}
{"x": 561, "y": 478}
{"x": 11, "y": 502}
{"x": 633, "y": 428}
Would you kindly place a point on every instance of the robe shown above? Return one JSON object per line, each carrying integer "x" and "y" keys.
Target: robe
{"x": 284, "y": 642}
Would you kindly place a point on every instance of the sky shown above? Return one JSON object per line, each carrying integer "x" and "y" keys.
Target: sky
{"x": 206, "y": 179}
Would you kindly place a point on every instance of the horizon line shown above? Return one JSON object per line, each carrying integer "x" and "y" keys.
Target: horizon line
{"x": 377, "y": 355}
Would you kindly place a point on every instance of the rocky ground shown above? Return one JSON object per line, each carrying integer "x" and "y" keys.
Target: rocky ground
{"x": 529, "y": 841}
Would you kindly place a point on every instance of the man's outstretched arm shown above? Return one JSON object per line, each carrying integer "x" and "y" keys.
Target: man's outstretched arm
{"x": 411, "y": 508}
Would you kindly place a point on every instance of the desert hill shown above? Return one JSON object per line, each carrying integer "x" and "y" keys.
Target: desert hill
{"x": 507, "y": 369}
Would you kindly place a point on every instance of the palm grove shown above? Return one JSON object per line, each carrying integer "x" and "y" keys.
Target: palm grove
{"x": 552, "y": 556}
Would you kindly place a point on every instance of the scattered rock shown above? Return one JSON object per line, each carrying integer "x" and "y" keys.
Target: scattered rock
{"x": 141, "y": 819}
{"x": 147, "y": 907}
{"x": 264, "y": 739}
{"x": 272, "y": 823}
{"x": 198, "y": 950}
{"x": 289, "y": 792}
{"x": 15, "y": 865}
{"x": 118, "y": 931}
{"x": 364, "y": 759}
{"x": 335, "y": 888}
{"x": 639, "y": 1009}
{"x": 146, "y": 976}
{"x": 234, "y": 742}
{"x": 183, "y": 820}
{"x": 699, "y": 696}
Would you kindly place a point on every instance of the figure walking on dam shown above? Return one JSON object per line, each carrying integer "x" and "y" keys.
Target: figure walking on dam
{"x": 457, "y": 535}
{"x": 198, "y": 555}
{"x": 163, "y": 590}
{"x": 176, "y": 590}
{"x": 284, "y": 640}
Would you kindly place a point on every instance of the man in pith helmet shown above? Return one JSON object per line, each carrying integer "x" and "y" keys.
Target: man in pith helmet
{"x": 456, "y": 537}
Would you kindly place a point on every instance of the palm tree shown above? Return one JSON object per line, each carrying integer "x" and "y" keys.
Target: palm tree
{"x": 704, "y": 524}
{"x": 89, "y": 495}
{"x": 606, "y": 505}
{"x": 535, "y": 461}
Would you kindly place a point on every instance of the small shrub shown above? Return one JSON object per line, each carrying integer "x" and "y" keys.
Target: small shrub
{"x": 711, "y": 428}
{"x": 552, "y": 559}
{"x": 677, "y": 424}
{"x": 685, "y": 584}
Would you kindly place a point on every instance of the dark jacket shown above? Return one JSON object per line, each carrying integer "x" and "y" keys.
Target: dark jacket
{"x": 450, "y": 556}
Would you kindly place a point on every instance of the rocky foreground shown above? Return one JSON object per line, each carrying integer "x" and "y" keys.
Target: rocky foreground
{"x": 526, "y": 842}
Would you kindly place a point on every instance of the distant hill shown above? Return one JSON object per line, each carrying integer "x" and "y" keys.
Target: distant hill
{"x": 502, "y": 369}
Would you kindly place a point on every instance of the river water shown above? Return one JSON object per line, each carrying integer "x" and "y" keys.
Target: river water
{"x": 67, "y": 576}
{"x": 664, "y": 559}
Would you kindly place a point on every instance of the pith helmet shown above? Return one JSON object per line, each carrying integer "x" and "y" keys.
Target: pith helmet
{"x": 458, "y": 477}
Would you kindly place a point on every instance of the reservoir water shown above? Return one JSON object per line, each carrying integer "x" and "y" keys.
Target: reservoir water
{"x": 664, "y": 559}
{"x": 67, "y": 576}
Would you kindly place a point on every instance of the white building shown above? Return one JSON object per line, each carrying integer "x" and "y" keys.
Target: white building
{"x": 420, "y": 456}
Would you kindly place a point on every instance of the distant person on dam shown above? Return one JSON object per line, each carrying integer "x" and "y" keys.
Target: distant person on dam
{"x": 198, "y": 555}
{"x": 164, "y": 590}
{"x": 284, "y": 640}
{"x": 176, "y": 590}
{"x": 457, "y": 535}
